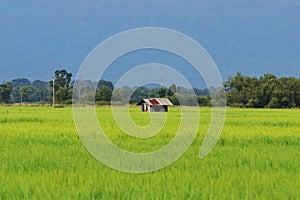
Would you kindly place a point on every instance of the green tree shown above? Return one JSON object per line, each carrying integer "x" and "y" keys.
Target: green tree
{"x": 162, "y": 92}
{"x": 25, "y": 93}
{"x": 62, "y": 78}
{"x": 116, "y": 95}
{"x": 109, "y": 84}
{"x": 174, "y": 100}
{"x": 63, "y": 91}
{"x": 64, "y": 95}
{"x": 172, "y": 90}
{"x": 104, "y": 94}
{"x": 5, "y": 92}
{"x": 139, "y": 93}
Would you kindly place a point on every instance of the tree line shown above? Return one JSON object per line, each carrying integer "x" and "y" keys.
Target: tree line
{"x": 22, "y": 90}
{"x": 267, "y": 91}
{"x": 107, "y": 94}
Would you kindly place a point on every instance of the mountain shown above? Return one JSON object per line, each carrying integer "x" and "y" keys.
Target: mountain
{"x": 20, "y": 82}
{"x": 40, "y": 84}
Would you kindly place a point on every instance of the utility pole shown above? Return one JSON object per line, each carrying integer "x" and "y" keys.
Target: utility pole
{"x": 53, "y": 96}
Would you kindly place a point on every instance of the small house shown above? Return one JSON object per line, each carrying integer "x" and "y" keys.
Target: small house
{"x": 155, "y": 105}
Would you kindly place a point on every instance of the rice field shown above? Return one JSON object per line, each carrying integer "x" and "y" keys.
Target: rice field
{"x": 256, "y": 157}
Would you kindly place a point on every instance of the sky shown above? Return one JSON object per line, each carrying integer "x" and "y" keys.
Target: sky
{"x": 252, "y": 37}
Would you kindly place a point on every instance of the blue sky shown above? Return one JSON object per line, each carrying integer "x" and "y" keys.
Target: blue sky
{"x": 253, "y": 37}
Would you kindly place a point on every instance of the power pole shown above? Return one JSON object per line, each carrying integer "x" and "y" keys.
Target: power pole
{"x": 53, "y": 96}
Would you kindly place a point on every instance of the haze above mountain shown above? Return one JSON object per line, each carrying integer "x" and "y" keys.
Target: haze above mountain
{"x": 252, "y": 37}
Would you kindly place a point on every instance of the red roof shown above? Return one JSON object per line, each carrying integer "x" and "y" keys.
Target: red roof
{"x": 153, "y": 101}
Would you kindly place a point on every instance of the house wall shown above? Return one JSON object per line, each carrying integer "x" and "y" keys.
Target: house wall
{"x": 166, "y": 108}
{"x": 153, "y": 108}
{"x": 145, "y": 107}
{"x": 158, "y": 108}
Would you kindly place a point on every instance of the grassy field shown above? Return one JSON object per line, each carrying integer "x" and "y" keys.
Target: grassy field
{"x": 257, "y": 157}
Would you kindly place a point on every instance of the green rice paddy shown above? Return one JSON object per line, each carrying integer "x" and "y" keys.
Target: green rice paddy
{"x": 256, "y": 157}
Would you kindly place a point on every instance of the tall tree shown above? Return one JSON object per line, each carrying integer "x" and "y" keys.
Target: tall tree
{"x": 63, "y": 91}
{"x": 62, "y": 79}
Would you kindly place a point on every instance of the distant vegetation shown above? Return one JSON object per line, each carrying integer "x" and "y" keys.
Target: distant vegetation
{"x": 62, "y": 86}
{"x": 25, "y": 91}
{"x": 267, "y": 91}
